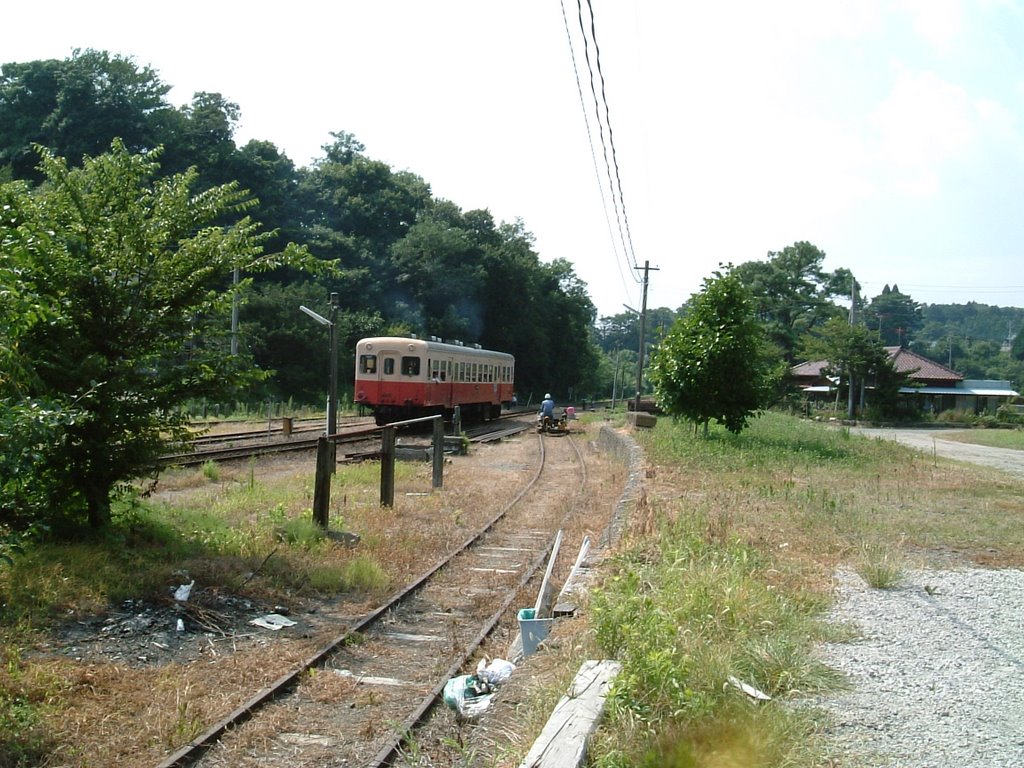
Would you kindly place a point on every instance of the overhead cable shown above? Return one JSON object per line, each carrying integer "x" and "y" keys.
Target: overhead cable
{"x": 593, "y": 153}
{"x": 611, "y": 135}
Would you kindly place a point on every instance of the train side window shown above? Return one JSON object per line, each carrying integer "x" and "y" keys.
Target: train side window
{"x": 410, "y": 366}
{"x": 367, "y": 363}
{"x": 389, "y": 366}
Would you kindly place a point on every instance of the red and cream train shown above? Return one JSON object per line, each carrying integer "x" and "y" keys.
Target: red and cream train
{"x": 403, "y": 378}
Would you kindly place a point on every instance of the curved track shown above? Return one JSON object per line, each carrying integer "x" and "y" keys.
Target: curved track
{"x": 389, "y": 667}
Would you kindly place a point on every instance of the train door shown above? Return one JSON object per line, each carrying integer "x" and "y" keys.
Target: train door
{"x": 441, "y": 384}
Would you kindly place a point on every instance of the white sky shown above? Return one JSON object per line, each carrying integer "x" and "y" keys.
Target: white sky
{"x": 889, "y": 134}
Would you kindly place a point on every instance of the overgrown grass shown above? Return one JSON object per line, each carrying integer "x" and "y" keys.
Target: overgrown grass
{"x": 726, "y": 573}
{"x": 996, "y": 438}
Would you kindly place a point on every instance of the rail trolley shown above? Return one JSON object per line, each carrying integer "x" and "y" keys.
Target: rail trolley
{"x": 403, "y": 378}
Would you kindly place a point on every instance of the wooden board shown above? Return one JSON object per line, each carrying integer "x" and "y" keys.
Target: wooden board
{"x": 563, "y": 742}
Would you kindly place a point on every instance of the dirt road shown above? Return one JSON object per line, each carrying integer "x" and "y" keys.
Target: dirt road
{"x": 932, "y": 440}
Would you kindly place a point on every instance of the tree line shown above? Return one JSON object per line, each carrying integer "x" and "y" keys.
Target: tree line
{"x": 405, "y": 261}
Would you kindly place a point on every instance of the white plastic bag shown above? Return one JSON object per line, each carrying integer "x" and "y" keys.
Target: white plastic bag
{"x": 495, "y": 672}
{"x": 181, "y": 593}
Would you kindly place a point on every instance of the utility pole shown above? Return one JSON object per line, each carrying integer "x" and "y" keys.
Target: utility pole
{"x": 643, "y": 323}
{"x": 850, "y": 399}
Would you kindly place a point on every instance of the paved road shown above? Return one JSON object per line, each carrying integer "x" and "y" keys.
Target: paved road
{"x": 931, "y": 440}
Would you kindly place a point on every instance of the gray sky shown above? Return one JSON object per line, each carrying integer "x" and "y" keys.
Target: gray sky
{"x": 889, "y": 134}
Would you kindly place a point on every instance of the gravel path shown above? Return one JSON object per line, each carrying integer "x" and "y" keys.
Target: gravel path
{"x": 932, "y": 441}
{"x": 938, "y": 676}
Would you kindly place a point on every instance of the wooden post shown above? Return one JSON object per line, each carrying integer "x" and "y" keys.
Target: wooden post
{"x": 438, "y": 477}
{"x": 387, "y": 467}
{"x": 326, "y": 453}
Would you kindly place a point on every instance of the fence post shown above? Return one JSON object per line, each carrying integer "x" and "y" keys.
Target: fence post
{"x": 438, "y": 476}
{"x": 325, "y": 460}
{"x": 387, "y": 467}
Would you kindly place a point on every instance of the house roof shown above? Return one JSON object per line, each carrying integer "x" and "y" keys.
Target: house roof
{"x": 979, "y": 391}
{"x": 921, "y": 368}
{"x": 811, "y": 369}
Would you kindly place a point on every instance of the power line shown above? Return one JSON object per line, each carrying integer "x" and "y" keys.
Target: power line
{"x": 611, "y": 135}
{"x": 593, "y": 153}
{"x": 614, "y": 181}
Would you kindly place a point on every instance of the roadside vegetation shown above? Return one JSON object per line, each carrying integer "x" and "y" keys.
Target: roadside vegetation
{"x": 726, "y": 572}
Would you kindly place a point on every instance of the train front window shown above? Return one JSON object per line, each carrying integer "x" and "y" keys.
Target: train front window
{"x": 389, "y": 366}
{"x": 410, "y": 366}
{"x": 367, "y": 363}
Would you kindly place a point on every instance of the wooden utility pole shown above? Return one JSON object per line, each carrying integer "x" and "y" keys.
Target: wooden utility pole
{"x": 850, "y": 399}
{"x": 643, "y": 328}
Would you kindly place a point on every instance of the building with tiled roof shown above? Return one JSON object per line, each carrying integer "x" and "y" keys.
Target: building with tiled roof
{"x": 932, "y": 386}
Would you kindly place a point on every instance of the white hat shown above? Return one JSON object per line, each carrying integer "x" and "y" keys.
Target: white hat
{"x": 547, "y": 397}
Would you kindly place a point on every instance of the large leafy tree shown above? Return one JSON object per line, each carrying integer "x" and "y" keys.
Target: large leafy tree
{"x": 792, "y": 293}
{"x": 131, "y": 275}
{"x": 75, "y": 107}
{"x": 714, "y": 362}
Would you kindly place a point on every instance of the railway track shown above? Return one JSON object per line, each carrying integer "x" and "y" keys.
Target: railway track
{"x": 388, "y": 667}
{"x": 354, "y": 433}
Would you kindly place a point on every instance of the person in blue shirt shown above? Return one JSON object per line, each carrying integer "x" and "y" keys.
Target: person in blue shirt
{"x": 547, "y": 407}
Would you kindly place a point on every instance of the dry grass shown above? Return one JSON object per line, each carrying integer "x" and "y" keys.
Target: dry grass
{"x": 100, "y": 712}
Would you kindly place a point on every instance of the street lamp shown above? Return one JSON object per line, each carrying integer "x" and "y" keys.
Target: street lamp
{"x": 332, "y": 396}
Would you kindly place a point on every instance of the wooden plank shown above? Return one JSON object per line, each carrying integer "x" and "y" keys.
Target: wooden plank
{"x": 563, "y": 742}
{"x": 564, "y": 606}
{"x": 542, "y": 608}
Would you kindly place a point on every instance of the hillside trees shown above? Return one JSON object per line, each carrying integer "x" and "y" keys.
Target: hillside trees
{"x": 715, "y": 363}
{"x": 410, "y": 262}
{"x": 128, "y": 271}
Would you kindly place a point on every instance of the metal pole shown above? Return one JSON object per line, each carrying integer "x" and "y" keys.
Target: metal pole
{"x": 332, "y": 406}
{"x": 234, "y": 314}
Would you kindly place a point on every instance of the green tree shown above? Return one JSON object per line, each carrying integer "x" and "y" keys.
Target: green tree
{"x": 27, "y": 422}
{"x": 858, "y": 358}
{"x": 133, "y": 274}
{"x": 76, "y": 107}
{"x": 792, "y": 294}
{"x": 1017, "y": 348}
{"x": 894, "y": 316}
{"x": 714, "y": 363}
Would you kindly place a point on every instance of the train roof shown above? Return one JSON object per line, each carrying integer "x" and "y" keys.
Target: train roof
{"x": 430, "y": 344}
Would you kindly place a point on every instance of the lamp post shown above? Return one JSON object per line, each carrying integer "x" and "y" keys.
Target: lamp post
{"x": 332, "y": 394}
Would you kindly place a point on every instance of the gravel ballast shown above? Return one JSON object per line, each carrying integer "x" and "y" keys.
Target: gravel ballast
{"x": 937, "y": 674}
